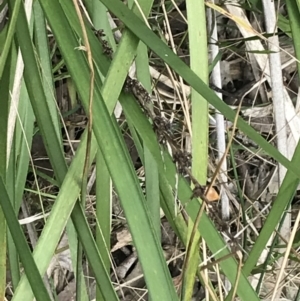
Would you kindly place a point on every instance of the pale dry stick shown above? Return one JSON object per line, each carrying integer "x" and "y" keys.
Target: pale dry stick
{"x": 142, "y": 296}
{"x": 92, "y": 180}
{"x": 33, "y": 218}
{"x": 238, "y": 16}
{"x": 179, "y": 12}
{"x": 183, "y": 103}
{"x": 219, "y": 282}
{"x": 276, "y": 81}
{"x": 211, "y": 292}
{"x": 205, "y": 272}
{"x": 168, "y": 27}
{"x": 221, "y": 141}
{"x": 15, "y": 95}
{"x": 238, "y": 275}
{"x": 85, "y": 12}
{"x": 298, "y": 101}
{"x": 279, "y": 113}
{"x": 286, "y": 255}
{"x": 255, "y": 154}
{"x": 293, "y": 276}
{"x": 243, "y": 22}
{"x": 295, "y": 253}
{"x": 215, "y": 263}
{"x": 248, "y": 220}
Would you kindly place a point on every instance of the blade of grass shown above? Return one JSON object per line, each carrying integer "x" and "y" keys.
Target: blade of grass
{"x": 103, "y": 213}
{"x": 5, "y": 97}
{"x": 199, "y": 64}
{"x": 29, "y": 265}
{"x": 14, "y": 8}
{"x": 151, "y": 172}
{"x": 103, "y": 181}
